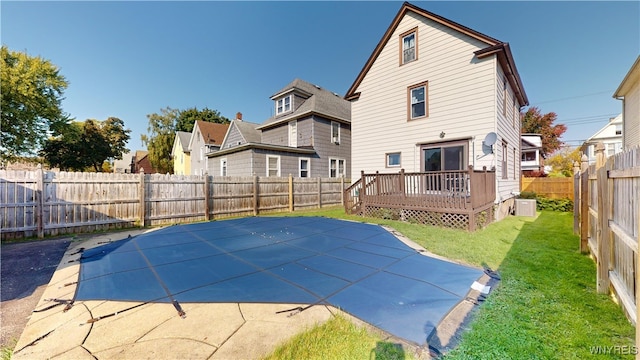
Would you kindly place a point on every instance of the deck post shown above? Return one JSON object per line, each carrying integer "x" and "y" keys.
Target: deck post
{"x": 141, "y": 189}
{"x": 40, "y": 201}
{"x": 363, "y": 192}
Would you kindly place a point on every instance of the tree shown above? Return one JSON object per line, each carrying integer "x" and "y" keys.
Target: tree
{"x": 31, "y": 92}
{"x": 534, "y": 122}
{"x": 188, "y": 117}
{"x": 87, "y": 144}
{"x": 562, "y": 162}
{"x": 159, "y": 142}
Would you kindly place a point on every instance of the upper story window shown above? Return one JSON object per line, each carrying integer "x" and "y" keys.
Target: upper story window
{"x": 417, "y": 101}
{"x": 409, "y": 50}
{"x": 504, "y": 160}
{"x": 504, "y": 97}
{"x": 335, "y": 132}
{"x": 293, "y": 133}
{"x": 618, "y": 129}
{"x": 283, "y": 105}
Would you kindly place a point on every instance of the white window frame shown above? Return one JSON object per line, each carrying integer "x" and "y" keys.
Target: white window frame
{"x": 284, "y": 105}
{"x": 335, "y": 139}
{"x": 388, "y": 157}
{"x": 223, "y": 167}
{"x": 293, "y": 133}
{"x": 337, "y": 162}
{"x": 308, "y": 170}
{"x": 277, "y": 157}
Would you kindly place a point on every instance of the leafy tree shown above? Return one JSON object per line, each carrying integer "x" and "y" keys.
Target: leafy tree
{"x": 87, "y": 144}
{"x": 562, "y": 162}
{"x": 31, "y": 92}
{"x": 187, "y": 118}
{"x": 534, "y": 122}
{"x": 159, "y": 142}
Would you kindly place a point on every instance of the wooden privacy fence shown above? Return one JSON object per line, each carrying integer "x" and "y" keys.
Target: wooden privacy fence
{"x": 607, "y": 215}
{"x": 554, "y": 188}
{"x": 39, "y": 203}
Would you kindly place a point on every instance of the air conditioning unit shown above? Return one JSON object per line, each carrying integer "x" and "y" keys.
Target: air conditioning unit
{"x": 335, "y": 140}
{"x": 526, "y": 207}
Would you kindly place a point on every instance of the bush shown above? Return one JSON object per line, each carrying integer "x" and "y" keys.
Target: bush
{"x": 527, "y": 195}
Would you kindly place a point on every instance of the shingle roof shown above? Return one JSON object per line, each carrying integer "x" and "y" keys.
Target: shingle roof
{"x": 212, "y": 133}
{"x": 184, "y": 138}
{"x": 320, "y": 101}
{"x": 248, "y": 131}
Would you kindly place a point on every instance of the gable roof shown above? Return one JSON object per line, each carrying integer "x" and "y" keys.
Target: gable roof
{"x": 212, "y": 133}
{"x": 494, "y": 46}
{"x": 600, "y": 133}
{"x": 319, "y": 101}
{"x": 632, "y": 77}
{"x": 247, "y": 131}
{"x": 183, "y": 137}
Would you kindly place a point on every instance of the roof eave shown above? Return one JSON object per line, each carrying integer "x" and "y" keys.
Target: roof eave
{"x": 406, "y": 7}
{"x": 632, "y": 76}
{"x": 247, "y": 146}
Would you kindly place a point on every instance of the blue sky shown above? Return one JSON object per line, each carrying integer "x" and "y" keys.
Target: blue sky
{"x": 130, "y": 59}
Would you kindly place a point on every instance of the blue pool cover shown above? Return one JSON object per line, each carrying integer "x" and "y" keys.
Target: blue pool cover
{"x": 360, "y": 268}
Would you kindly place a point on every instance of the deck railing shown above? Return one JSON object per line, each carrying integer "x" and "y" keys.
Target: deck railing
{"x": 460, "y": 192}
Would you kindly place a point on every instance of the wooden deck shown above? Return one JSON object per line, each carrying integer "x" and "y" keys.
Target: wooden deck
{"x": 457, "y": 199}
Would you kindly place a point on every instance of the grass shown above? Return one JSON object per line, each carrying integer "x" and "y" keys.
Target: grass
{"x": 6, "y": 351}
{"x": 545, "y": 307}
{"x": 338, "y": 338}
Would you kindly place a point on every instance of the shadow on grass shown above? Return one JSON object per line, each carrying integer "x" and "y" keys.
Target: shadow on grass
{"x": 546, "y": 305}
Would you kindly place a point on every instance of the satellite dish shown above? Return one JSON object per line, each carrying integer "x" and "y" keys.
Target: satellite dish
{"x": 490, "y": 139}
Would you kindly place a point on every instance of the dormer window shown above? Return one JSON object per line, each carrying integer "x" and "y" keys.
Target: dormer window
{"x": 283, "y": 105}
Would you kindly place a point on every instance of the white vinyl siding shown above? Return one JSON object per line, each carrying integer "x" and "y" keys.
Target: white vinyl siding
{"x": 461, "y": 90}
{"x": 631, "y": 131}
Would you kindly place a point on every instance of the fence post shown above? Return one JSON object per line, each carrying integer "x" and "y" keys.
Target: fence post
{"x": 207, "y": 210}
{"x": 40, "y": 201}
{"x": 141, "y": 189}
{"x": 255, "y": 195}
{"x": 576, "y": 197}
{"x": 290, "y": 193}
{"x": 602, "y": 232}
{"x": 584, "y": 205}
{"x": 342, "y": 190}
{"x": 319, "y": 193}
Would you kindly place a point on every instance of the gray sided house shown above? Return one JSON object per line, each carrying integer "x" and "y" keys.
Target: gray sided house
{"x": 309, "y": 136}
{"x": 206, "y": 137}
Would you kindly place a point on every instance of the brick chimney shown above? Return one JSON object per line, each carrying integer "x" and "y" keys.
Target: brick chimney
{"x": 239, "y": 116}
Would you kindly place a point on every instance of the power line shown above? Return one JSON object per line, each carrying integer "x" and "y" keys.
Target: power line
{"x": 572, "y": 97}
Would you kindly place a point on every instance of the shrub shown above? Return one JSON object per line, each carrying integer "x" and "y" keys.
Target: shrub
{"x": 527, "y": 195}
{"x": 543, "y": 203}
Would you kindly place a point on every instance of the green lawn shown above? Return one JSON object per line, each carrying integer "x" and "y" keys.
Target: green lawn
{"x": 545, "y": 307}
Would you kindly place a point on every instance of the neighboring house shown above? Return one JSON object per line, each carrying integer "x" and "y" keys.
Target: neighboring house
{"x": 181, "y": 154}
{"x": 610, "y": 136}
{"x": 140, "y": 161}
{"x": 629, "y": 93}
{"x": 309, "y": 136}
{"x": 427, "y": 97}
{"x": 123, "y": 165}
{"x": 206, "y": 138}
{"x": 532, "y": 163}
